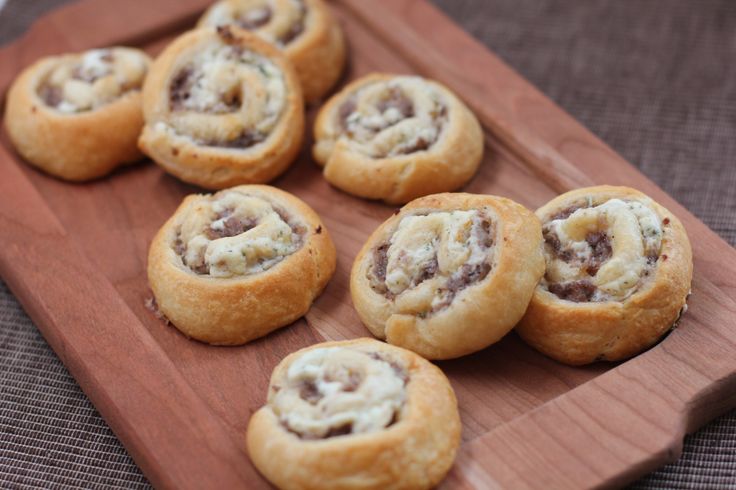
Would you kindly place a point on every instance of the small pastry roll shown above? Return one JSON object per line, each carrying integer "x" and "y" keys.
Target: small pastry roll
{"x": 397, "y": 138}
{"x": 619, "y": 268}
{"x": 450, "y": 274}
{"x": 230, "y": 267}
{"x": 222, "y": 107}
{"x": 355, "y": 414}
{"x": 78, "y": 116}
{"x": 305, "y": 30}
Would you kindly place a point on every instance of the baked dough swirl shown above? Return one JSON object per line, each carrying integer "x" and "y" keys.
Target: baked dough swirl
{"x": 233, "y": 266}
{"x": 355, "y": 414}
{"x": 222, "y": 107}
{"x": 449, "y": 274}
{"x": 305, "y": 30}
{"x": 619, "y": 268}
{"x": 397, "y": 138}
{"x": 78, "y": 116}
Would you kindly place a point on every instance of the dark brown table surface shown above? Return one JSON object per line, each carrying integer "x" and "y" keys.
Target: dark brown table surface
{"x": 656, "y": 79}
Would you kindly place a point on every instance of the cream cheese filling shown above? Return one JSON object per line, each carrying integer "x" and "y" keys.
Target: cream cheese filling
{"x": 431, "y": 257}
{"x": 337, "y": 391}
{"x": 276, "y": 21}
{"x": 397, "y": 117}
{"x": 93, "y": 79}
{"x": 634, "y": 232}
{"x": 234, "y": 234}
{"x": 225, "y": 96}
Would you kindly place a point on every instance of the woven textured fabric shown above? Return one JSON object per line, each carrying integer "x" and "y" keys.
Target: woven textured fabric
{"x": 653, "y": 78}
{"x": 50, "y": 434}
{"x": 17, "y": 15}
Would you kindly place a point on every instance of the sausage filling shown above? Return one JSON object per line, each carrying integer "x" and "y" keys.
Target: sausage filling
{"x": 602, "y": 252}
{"x": 337, "y": 391}
{"x": 234, "y": 234}
{"x": 431, "y": 258}
{"x": 93, "y": 80}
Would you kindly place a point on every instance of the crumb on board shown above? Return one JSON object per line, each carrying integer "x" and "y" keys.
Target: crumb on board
{"x": 152, "y": 306}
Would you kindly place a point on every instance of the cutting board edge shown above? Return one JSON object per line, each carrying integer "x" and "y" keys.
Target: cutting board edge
{"x": 514, "y": 146}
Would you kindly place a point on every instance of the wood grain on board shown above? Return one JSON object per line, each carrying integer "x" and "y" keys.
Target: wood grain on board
{"x": 74, "y": 254}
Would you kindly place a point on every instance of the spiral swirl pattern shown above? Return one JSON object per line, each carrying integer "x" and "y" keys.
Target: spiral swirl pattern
{"x": 390, "y": 118}
{"x": 277, "y": 21}
{"x": 336, "y": 391}
{"x": 225, "y": 95}
{"x": 602, "y": 252}
{"x": 235, "y": 234}
{"x": 430, "y": 257}
{"x": 92, "y": 79}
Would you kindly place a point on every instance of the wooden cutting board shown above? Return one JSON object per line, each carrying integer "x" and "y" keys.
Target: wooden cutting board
{"x": 75, "y": 257}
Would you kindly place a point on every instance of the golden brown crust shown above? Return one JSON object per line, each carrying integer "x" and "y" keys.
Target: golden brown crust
{"x": 580, "y": 333}
{"x": 445, "y": 166}
{"x": 211, "y": 166}
{"x": 318, "y": 53}
{"x": 235, "y": 310}
{"x": 79, "y": 146}
{"x": 415, "y": 452}
{"x": 480, "y": 314}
